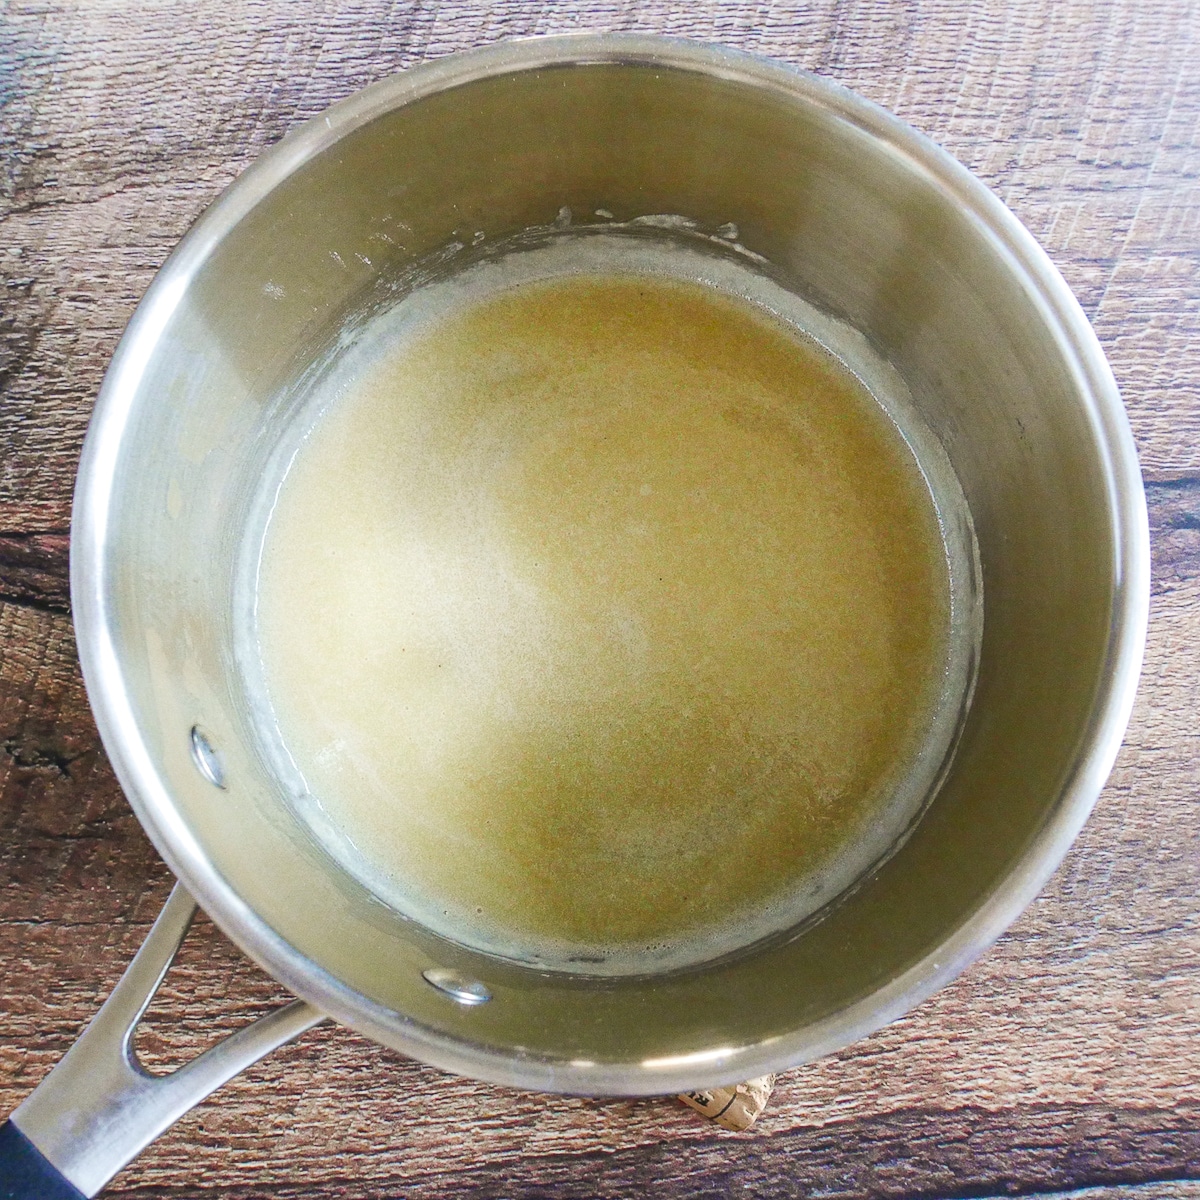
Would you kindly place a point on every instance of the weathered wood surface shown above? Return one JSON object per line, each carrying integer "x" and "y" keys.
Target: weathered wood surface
{"x": 1068, "y": 1058}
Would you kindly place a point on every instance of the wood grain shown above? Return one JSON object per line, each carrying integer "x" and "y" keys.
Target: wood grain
{"x": 1068, "y": 1058}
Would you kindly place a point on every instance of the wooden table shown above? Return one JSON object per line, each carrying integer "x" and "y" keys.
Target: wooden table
{"x": 1068, "y": 1058}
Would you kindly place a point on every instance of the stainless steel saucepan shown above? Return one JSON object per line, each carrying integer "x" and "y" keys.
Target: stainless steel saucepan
{"x": 863, "y": 216}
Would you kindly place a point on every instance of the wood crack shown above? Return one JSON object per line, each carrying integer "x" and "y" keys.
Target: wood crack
{"x": 1174, "y": 511}
{"x": 962, "y": 1154}
{"x": 34, "y": 570}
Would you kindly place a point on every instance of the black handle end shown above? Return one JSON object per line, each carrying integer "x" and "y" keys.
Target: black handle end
{"x": 26, "y": 1174}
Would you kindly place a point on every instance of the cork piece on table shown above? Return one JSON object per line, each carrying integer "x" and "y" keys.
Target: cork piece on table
{"x": 736, "y": 1107}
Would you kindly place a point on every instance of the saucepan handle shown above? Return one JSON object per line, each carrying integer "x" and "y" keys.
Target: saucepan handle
{"x": 99, "y": 1107}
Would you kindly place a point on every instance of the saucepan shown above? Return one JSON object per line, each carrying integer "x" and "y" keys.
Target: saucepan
{"x": 872, "y": 224}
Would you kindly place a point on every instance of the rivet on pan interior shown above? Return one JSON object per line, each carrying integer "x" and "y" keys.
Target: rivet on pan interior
{"x": 207, "y": 760}
{"x": 457, "y": 987}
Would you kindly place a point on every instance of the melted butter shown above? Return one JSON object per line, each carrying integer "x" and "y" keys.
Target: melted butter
{"x": 603, "y": 618}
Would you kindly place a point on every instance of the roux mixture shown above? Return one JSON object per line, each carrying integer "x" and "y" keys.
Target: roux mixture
{"x": 600, "y": 616}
